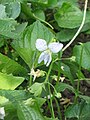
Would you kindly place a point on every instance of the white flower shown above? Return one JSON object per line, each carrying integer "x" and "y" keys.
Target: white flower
{"x": 2, "y": 113}
{"x": 47, "y": 50}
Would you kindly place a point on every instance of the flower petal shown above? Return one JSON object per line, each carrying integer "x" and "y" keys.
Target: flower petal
{"x": 41, "y": 44}
{"x": 49, "y": 60}
{"x": 41, "y": 57}
{"x": 46, "y": 57}
{"x": 55, "y": 47}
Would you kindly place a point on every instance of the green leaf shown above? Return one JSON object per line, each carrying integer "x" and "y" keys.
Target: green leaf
{"x": 1, "y": 41}
{"x": 9, "y": 1}
{"x": 65, "y": 35}
{"x": 86, "y": 98}
{"x": 26, "y": 45}
{"x": 74, "y": 72}
{"x": 9, "y": 81}
{"x": 10, "y": 66}
{"x": 85, "y": 63}
{"x": 66, "y": 70}
{"x": 73, "y": 2}
{"x": 13, "y": 9}
{"x": 15, "y": 95}
{"x": 69, "y": 16}
{"x": 8, "y": 28}
{"x": 27, "y": 113}
{"x": 37, "y": 88}
{"x": 79, "y": 111}
{"x": 2, "y": 11}
{"x": 52, "y": 3}
{"x": 3, "y": 100}
{"x": 60, "y": 87}
{"x": 40, "y": 14}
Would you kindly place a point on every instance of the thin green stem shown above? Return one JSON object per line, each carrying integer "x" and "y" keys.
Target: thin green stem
{"x": 79, "y": 72}
{"x": 30, "y": 81}
{"x": 87, "y": 79}
{"x": 29, "y": 13}
{"x": 49, "y": 105}
{"x": 59, "y": 110}
{"x": 53, "y": 116}
{"x": 52, "y": 86}
{"x": 59, "y": 66}
{"x": 43, "y": 21}
{"x": 50, "y": 68}
{"x": 81, "y": 26}
{"x": 46, "y": 81}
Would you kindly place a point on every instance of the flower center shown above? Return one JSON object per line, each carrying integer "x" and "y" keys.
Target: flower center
{"x": 48, "y": 51}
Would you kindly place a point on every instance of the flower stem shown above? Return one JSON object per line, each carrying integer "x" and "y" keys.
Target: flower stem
{"x": 59, "y": 110}
{"x": 50, "y": 68}
{"x": 81, "y": 26}
{"x": 59, "y": 66}
{"x": 52, "y": 110}
{"x": 30, "y": 81}
{"x": 78, "y": 85}
{"x": 29, "y": 13}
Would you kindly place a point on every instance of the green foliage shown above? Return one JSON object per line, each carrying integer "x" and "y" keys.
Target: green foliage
{"x": 78, "y": 111}
{"x": 28, "y": 113}
{"x": 65, "y": 35}
{"x": 15, "y": 96}
{"x": 8, "y": 28}
{"x": 9, "y": 81}
{"x": 46, "y": 97}
{"x": 26, "y": 45}
{"x": 37, "y": 92}
{"x": 62, "y": 86}
{"x": 8, "y": 66}
{"x": 69, "y": 16}
{"x": 3, "y": 13}
{"x": 13, "y": 9}
{"x": 84, "y": 56}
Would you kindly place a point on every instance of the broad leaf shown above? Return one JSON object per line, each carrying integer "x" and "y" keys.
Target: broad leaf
{"x": 65, "y": 35}
{"x": 15, "y": 96}
{"x": 36, "y": 88}
{"x": 3, "y": 100}
{"x": 52, "y": 3}
{"x": 9, "y": 26}
{"x": 69, "y": 16}
{"x": 2, "y": 11}
{"x": 9, "y": 1}
{"x": 60, "y": 87}
{"x": 72, "y": 64}
{"x": 9, "y": 81}
{"x": 79, "y": 111}
{"x": 28, "y": 113}
{"x": 84, "y": 56}
{"x": 73, "y": 2}
{"x": 13, "y": 9}
{"x": 86, "y": 98}
{"x": 39, "y": 13}
{"x": 10, "y": 66}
